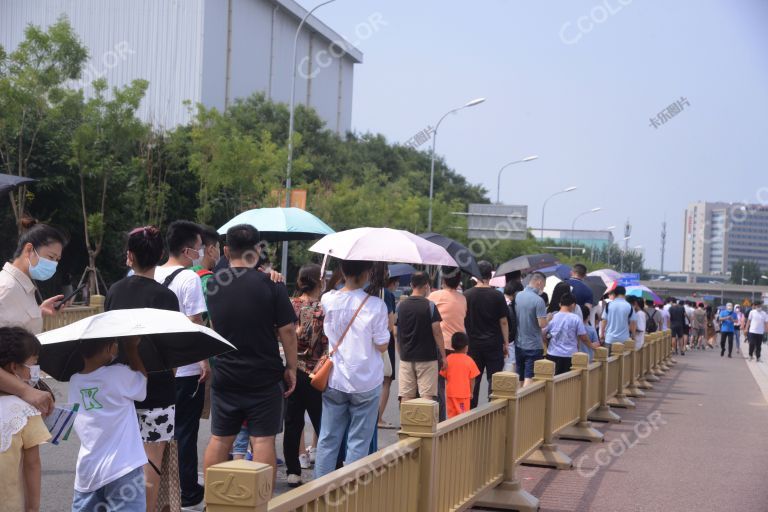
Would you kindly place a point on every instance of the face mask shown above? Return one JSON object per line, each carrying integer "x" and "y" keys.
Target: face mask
{"x": 34, "y": 374}
{"x": 200, "y": 255}
{"x": 44, "y": 269}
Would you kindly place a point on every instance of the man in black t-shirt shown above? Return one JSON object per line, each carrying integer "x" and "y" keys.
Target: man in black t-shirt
{"x": 420, "y": 341}
{"x": 487, "y": 327}
{"x": 249, "y": 384}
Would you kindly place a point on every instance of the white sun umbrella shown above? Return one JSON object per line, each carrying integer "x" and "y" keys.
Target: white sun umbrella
{"x": 550, "y": 283}
{"x": 383, "y": 244}
{"x": 609, "y": 276}
{"x": 169, "y": 340}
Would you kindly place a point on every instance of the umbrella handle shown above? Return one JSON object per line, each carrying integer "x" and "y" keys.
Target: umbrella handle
{"x": 322, "y": 273}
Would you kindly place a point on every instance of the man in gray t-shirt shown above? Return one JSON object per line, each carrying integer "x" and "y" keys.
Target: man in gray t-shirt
{"x": 531, "y": 319}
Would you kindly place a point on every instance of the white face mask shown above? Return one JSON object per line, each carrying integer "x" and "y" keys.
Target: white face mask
{"x": 198, "y": 262}
{"x": 34, "y": 374}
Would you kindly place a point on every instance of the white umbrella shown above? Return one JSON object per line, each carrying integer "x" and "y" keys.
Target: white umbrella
{"x": 550, "y": 283}
{"x": 607, "y": 275}
{"x": 383, "y": 244}
{"x": 169, "y": 340}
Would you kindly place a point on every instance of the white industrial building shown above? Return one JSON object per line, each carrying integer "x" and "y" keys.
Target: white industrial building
{"x": 203, "y": 51}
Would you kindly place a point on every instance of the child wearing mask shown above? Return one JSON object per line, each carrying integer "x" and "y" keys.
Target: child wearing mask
{"x": 23, "y": 430}
{"x": 110, "y": 465}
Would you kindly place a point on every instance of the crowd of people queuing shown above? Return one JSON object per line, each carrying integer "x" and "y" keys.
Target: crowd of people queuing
{"x": 435, "y": 343}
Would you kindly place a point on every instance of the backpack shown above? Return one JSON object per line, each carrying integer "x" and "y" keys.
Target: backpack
{"x": 650, "y": 324}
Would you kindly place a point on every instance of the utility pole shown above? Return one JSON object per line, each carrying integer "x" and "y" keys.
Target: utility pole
{"x": 663, "y": 244}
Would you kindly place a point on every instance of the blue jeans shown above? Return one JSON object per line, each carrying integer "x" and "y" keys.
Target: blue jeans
{"x": 358, "y": 410}
{"x": 525, "y": 360}
{"x": 242, "y": 442}
{"x": 126, "y": 494}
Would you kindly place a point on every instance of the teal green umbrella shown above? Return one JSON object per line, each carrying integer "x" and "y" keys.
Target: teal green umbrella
{"x": 280, "y": 224}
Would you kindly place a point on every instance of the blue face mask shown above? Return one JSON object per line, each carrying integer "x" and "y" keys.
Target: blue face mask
{"x": 44, "y": 269}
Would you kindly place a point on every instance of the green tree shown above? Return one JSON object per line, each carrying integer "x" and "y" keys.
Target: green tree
{"x": 747, "y": 270}
{"x": 103, "y": 149}
{"x": 32, "y": 86}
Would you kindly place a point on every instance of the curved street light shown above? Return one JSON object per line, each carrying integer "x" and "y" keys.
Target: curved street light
{"x": 498, "y": 180}
{"x": 544, "y": 206}
{"x": 573, "y": 224}
{"x": 434, "y": 143}
{"x": 291, "y": 116}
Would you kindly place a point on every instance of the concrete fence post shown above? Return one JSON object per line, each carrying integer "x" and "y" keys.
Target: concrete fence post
{"x": 419, "y": 418}
{"x": 238, "y": 486}
{"x": 583, "y": 430}
{"x": 642, "y": 366}
{"x": 509, "y": 494}
{"x": 548, "y": 454}
{"x": 664, "y": 349}
{"x": 603, "y": 412}
{"x": 653, "y": 370}
{"x": 620, "y": 400}
{"x": 632, "y": 388}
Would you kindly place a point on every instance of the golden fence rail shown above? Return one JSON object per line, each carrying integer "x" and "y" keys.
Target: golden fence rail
{"x": 582, "y": 429}
{"x": 650, "y": 374}
{"x": 427, "y": 470}
{"x": 630, "y": 370}
{"x": 74, "y": 313}
{"x": 548, "y": 454}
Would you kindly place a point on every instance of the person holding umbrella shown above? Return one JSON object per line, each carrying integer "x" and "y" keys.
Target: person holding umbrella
{"x": 36, "y": 258}
{"x": 251, "y": 311}
{"x": 157, "y": 413}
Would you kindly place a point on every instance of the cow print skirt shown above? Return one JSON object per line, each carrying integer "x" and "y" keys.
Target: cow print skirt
{"x": 157, "y": 424}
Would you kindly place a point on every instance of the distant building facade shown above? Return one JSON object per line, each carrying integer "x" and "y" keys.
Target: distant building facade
{"x": 202, "y": 51}
{"x": 717, "y": 235}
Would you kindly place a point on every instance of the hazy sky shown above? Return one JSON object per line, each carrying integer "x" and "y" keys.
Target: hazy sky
{"x": 576, "y": 82}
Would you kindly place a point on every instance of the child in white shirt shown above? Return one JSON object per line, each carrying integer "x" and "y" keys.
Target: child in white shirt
{"x": 110, "y": 465}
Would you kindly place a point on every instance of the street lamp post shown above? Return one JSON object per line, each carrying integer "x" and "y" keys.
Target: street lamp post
{"x": 498, "y": 179}
{"x": 622, "y": 251}
{"x": 291, "y": 116}
{"x": 573, "y": 224}
{"x": 432, "y": 164}
{"x": 544, "y": 206}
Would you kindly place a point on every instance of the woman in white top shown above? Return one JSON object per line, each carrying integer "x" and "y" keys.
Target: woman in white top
{"x": 37, "y": 255}
{"x": 354, "y": 388}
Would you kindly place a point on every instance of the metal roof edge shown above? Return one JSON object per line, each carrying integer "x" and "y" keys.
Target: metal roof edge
{"x": 321, "y": 28}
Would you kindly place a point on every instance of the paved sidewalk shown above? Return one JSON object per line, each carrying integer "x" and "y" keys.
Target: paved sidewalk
{"x": 706, "y": 453}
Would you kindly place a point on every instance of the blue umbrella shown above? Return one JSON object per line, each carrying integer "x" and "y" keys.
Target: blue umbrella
{"x": 401, "y": 269}
{"x": 561, "y": 271}
{"x": 280, "y": 224}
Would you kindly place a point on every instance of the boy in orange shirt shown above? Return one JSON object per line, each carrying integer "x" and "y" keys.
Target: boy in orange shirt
{"x": 459, "y": 375}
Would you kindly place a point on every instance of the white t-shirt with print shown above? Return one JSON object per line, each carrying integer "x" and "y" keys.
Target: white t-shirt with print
{"x": 357, "y": 365}
{"x": 110, "y": 440}
{"x": 189, "y": 290}
{"x": 756, "y": 321}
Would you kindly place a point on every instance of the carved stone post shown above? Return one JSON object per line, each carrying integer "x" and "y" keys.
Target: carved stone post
{"x": 418, "y": 418}
{"x": 238, "y": 486}
{"x": 630, "y": 352}
{"x": 603, "y": 411}
{"x": 620, "y": 400}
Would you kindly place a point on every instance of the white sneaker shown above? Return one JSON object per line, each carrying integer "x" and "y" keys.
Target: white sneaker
{"x": 312, "y": 453}
{"x": 304, "y": 461}
{"x": 294, "y": 480}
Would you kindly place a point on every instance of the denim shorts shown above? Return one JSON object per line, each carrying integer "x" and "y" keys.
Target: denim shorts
{"x": 126, "y": 494}
{"x": 525, "y": 359}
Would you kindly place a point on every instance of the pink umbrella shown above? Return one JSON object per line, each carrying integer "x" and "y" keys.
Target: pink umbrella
{"x": 383, "y": 244}
{"x": 609, "y": 276}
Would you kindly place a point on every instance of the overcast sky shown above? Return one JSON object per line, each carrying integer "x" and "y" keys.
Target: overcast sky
{"x": 576, "y": 82}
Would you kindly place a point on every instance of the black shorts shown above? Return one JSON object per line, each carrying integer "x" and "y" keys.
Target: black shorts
{"x": 687, "y": 330}
{"x": 262, "y": 410}
{"x": 391, "y": 353}
{"x": 677, "y": 331}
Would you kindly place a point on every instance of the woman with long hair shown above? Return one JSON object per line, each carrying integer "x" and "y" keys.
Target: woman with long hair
{"x": 378, "y": 288}
{"x": 157, "y": 412}
{"x": 312, "y": 345}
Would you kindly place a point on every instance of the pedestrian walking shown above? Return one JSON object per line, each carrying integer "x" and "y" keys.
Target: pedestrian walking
{"x": 677, "y": 320}
{"x": 357, "y": 328}
{"x": 579, "y": 289}
{"x": 157, "y": 412}
{"x": 738, "y": 325}
{"x": 379, "y": 287}
{"x": 531, "y": 312}
{"x": 727, "y": 318}
{"x": 594, "y": 339}
{"x": 617, "y": 322}
{"x": 564, "y": 332}
{"x": 185, "y": 247}
{"x": 487, "y": 327}
{"x": 699, "y": 327}
{"x": 755, "y": 328}
{"x": 460, "y": 375}
{"x": 641, "y": 322}
{"x": 312, "y": 344}
{"x": 250, "y": 384}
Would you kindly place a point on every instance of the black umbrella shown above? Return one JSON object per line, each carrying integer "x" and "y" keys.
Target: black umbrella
{"x": 527, "y": 263}
{"x": 597, "y": 286}
{"x": 459, "y": 252}
{"x": 9, "y": 182}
